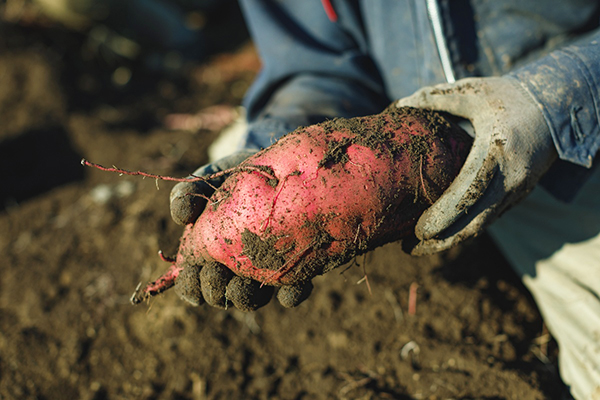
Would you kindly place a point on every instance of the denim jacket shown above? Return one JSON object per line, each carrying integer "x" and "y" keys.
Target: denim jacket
{"x": 344, "y": 58}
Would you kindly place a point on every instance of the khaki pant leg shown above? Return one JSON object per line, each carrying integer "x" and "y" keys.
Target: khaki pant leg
{"x": 555, "y": 248}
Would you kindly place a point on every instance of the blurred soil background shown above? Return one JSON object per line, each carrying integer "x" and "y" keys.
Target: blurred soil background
{"x": 75, "y": 242}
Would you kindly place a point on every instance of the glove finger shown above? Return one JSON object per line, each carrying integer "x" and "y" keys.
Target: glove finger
{"x": 486, "y": 210}
{"x": 292, "y": 295}
{"x": 458, "y": 99}
{"x": 214, "y": 278}
{"x": 473, "y": 228}
{"x": 247, "y": 294}
{"x": 187, "y": 285}
{"x": 185, "y": 205}
{"x": 465, "y": 191}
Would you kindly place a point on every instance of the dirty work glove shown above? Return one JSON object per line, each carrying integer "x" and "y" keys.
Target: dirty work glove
{"x": 511, "y": 151}
{"x": 218, "y": 285}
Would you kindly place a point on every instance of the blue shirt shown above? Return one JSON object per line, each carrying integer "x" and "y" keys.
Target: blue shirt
{"x": 375, "y": 51}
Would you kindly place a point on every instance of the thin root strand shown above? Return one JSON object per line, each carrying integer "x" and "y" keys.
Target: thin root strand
{"x": 162, "y": 256}
{"x": 262, "y": 170}
{"x": 412, "y": 298}
{"x": 166, "y": 281}
{"x": 423, "y": 181}
{"x": 199, "y": 195}
{"x": 140, "y": 173}
{"x": 287, "y": 266}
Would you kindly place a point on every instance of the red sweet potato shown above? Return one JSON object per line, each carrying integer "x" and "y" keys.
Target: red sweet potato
{"x": 326, "y": 193}
{"x": 322, "y": 195}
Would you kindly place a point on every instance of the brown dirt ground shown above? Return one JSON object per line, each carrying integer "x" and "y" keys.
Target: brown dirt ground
{"x": 75, "y": 242}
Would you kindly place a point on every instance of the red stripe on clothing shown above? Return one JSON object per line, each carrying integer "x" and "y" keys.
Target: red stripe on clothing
{"x": 331, "y": 14}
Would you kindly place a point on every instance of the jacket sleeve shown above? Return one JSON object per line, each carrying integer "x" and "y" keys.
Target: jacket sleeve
{"x": 566, "y": 85}
{"x": 313, "y": 68}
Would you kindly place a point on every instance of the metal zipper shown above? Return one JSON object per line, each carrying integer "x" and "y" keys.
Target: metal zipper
{"x": 433, "y": 10}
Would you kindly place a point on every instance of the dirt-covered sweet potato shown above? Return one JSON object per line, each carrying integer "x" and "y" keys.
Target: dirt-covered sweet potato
{"x": 322, "y": 195}
{"x": 325, "y": 193}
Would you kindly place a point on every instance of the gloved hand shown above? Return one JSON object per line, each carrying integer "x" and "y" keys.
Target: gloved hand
{"x": 219, "y": 286}
{"x": 512, "y": 149}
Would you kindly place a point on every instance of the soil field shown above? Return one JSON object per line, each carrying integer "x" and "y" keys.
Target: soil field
{"x": 75, "y": 242}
